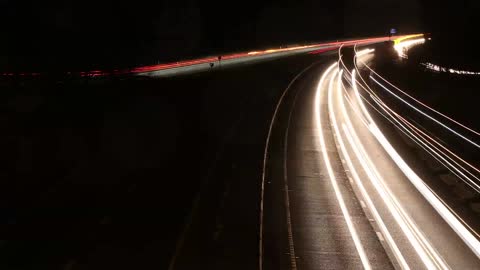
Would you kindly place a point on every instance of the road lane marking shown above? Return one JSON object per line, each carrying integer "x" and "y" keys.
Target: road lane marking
{"x": 291, "y": 243}
{"x": 380, "y": 236}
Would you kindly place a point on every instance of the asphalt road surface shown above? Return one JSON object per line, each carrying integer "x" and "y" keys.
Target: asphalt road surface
{"x": 337, "y": 193}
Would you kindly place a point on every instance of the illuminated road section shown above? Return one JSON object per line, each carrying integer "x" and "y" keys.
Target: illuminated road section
{"x": 416, "y": 227}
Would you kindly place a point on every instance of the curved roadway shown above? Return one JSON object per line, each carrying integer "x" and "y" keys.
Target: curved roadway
{"x": 337, "y": 195}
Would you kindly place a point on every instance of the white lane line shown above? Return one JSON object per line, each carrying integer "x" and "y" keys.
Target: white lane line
{"x": 380, "y": 236}
{"x": 326, "y": 158}
{"x": 291, "y": 244}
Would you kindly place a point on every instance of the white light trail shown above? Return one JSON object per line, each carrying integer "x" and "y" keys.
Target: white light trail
{"x": 420, "y": 138}
{"x": 444, "y": 212}
{"x": 426, "y": 142}
{"x": 430, "y": 258}
{"x": 326, "y": 158}
{"x": 363, "y": 52}
{"x": 425, "y": 114}
{"x": 408, "y": 133}
{"x": 403, "y": 46}
{"x": 421, "y": 103}
{"x": 371, "y": 206}
{"x": 471, "y": 241}
{"x": 426, "y": 137}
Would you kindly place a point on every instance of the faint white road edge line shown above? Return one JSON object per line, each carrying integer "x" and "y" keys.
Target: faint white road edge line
{"x": 265, "y": 154}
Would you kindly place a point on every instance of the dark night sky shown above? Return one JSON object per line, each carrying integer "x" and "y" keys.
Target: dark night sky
{"x": 454, "y": 26}
{"x": 88, "y": 34}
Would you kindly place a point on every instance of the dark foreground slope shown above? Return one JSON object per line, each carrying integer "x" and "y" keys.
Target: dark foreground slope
{"x": 117, "y": 173}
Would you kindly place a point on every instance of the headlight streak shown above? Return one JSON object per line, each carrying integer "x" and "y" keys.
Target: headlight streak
{"x": 437, "y": 204}
{"x": 438, "y": 154}
{"x": 454, "y": 223}
{"x": 403, "y": 46}
{"x": 433, "y": 141}
{"x": 467, "y": 180}
{"x": 404, "y": 130}
{"x": 371, "y": 206}
{"x": 424, "y": 250}
{"x": 410, "y": 136}
{"x": 363, "y": 52}
{"x": 425, "y": 114}
{"x": 401, "y": 39}
{"x": 421, "y": 103}
{"x": 338, "y": 194}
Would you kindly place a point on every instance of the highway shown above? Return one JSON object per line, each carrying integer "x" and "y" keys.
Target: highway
{"x": 339, "y": 192}
{"x": 305, "y": 157}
